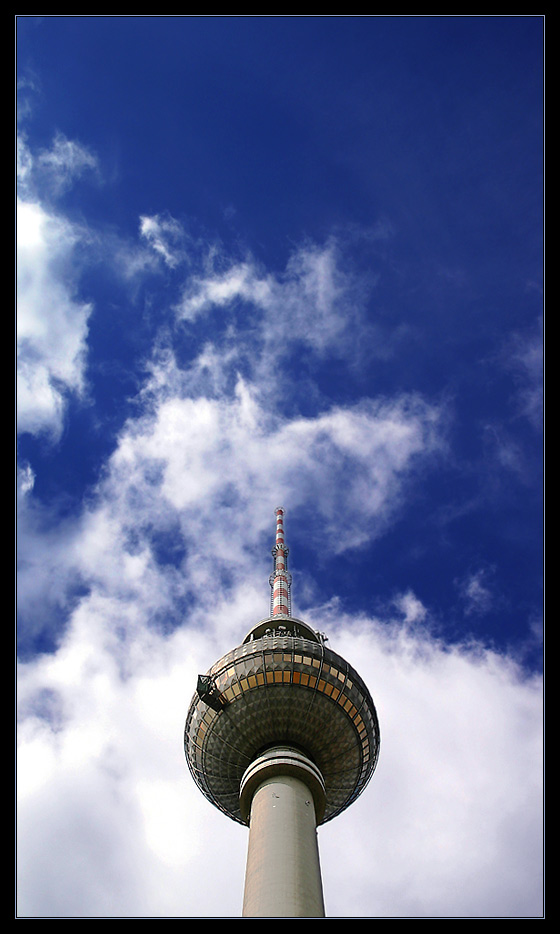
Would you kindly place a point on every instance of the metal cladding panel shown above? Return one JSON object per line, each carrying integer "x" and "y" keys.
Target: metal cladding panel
{"x": 283, "y": 690}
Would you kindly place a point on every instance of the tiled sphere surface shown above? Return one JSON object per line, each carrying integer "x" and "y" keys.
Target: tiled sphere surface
{"x": 283, "y": 690}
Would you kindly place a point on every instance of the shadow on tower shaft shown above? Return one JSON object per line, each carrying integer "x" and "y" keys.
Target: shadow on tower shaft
{"x": 282, "y": 735}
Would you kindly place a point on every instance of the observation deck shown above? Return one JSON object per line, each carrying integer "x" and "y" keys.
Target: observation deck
{"x": 281, "y": 687}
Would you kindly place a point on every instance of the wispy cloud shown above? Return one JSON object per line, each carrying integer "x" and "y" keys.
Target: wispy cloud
{"x": 55, "y": 169}
{"x": 65, "y": 162}
{"x": 164, "y": 235}
{"x": 526, "y": 360}
{"x": 477, "y": 592}
{"x": 411, "y": 607}
{"x": 312, "y": 302}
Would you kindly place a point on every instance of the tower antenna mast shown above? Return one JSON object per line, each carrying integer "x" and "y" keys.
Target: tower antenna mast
{"x": 280, "y": 580}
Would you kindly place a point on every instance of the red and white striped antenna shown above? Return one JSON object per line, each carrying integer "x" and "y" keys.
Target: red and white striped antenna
{"x": 280, "y": 580}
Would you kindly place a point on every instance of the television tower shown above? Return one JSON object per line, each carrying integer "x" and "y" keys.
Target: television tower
{"x": 282, "y": 735}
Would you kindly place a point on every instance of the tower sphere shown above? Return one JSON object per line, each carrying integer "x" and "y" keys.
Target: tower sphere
{"x": 281, "y": 687}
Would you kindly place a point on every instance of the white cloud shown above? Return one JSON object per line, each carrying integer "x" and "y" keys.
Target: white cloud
{"x": 111, "y": 824}
{"x": 175, "y": 470}
{"x": 355, "y": 459}
{"x": 446, "y": 827}
{"x": 52, "y": 322}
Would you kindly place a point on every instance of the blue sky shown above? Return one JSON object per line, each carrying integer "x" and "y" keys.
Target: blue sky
{"x": 270, "y": 261}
